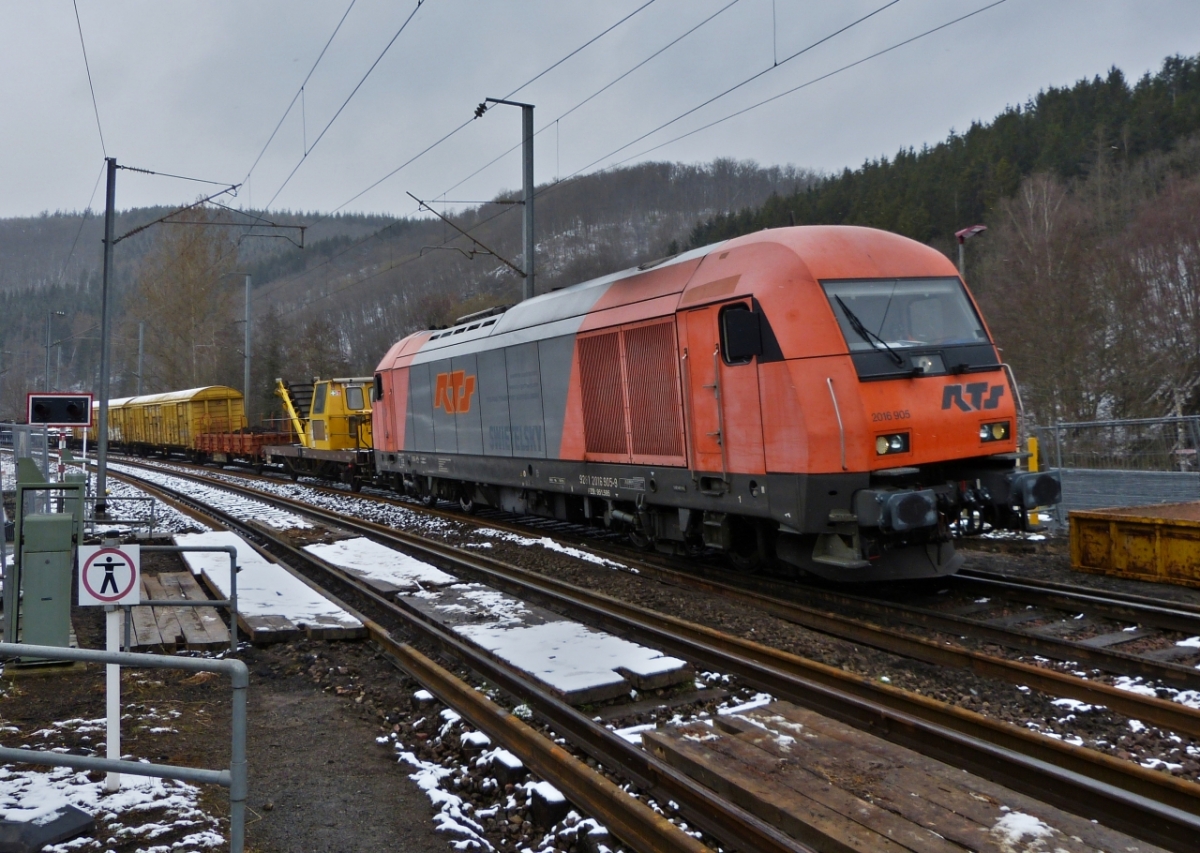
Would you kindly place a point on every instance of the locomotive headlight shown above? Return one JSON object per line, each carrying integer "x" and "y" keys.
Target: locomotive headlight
{"x": 998, "y": 431}
{"x": 894, "y": 443}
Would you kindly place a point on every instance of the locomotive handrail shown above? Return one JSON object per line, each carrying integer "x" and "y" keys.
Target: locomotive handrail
{"x": 838, "y": 414}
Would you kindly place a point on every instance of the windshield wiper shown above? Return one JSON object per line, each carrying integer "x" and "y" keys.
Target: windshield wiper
{"x": 866, "y": 334}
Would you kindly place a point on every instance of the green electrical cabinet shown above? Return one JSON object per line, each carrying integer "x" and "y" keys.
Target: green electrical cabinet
{"x": 45, "y": 547}
{"x": 46, "y": 578}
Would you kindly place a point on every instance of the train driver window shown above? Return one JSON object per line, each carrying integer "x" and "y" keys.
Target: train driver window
{"x": 377, "y": 388}
{"x": 318, "y": 402}
{"x": 354, "y": 398}
{"x": 741, "y": 335}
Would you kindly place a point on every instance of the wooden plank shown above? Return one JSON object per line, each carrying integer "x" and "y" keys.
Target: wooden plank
{"x": 269, "y": 629}
{"x": 800, "y": 817}
{"x": 194, "y": 633}
{"x": 214, "y": 626}
{"x": 168, "y": 625}
{"x": 956, "y": 791}
{"x": 145, "y": 628}
{"x": 881, "y": 780}
{"x": 847, "y": 790}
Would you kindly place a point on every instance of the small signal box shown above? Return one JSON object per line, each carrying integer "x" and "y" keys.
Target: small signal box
{"x": 59, "y": 410}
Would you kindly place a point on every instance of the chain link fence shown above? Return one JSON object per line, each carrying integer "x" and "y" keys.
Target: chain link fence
{"x": 1122, "y": 462}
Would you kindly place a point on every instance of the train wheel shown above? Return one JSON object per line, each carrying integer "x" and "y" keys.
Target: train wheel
{"x": 427, "y": 500}
{"x": 640, "y": 540}
{"x": 466, "y": 504}
{"x": 746, "y": 551}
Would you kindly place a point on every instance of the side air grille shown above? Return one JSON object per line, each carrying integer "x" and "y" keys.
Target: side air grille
{"x": 603, "y": 400}
{"x": 653, "y": 383}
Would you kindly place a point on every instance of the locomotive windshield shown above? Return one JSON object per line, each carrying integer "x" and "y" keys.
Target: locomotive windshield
{"x": 887, "y": 314}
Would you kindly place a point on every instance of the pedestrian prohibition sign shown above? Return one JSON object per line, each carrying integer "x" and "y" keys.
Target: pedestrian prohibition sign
{"x": 109, "y": 575}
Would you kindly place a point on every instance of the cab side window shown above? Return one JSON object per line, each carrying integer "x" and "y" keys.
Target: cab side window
{"x": 354, "y": 397}
{"x": 318, "y": 403}
{"x": 741, "y": 334}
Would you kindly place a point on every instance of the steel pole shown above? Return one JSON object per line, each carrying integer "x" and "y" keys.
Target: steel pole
{"x": 141, "y": 353}
{"x": 110, "y": 197}
{"x": 246, "y": 357}
{"x": 528, "y": 290}
{"x": 49, "y": 318}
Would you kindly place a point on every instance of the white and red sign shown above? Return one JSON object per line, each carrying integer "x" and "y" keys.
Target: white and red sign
{"x": 109, "y": 575}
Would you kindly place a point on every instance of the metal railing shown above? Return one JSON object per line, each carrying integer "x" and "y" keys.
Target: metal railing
{"x": 92, "y": 525}
{"x": 234, "y": 778}
{"x": 230, "y": 602}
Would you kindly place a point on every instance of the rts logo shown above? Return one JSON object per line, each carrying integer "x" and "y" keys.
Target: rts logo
{"x": 953, "y": 394}
{"x": 453, "y": 392}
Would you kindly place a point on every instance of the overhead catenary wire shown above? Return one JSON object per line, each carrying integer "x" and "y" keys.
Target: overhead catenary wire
{"x": 595, "y": 94}
{"x": 460, "y": 127}
{"x": 745, "y": 82}
{"x": 87, "y": 211}
{"x": 353, "y": 92}
{"x": 578, "y": 173}
{"x": 820, "y": 41}
{"x": 269, "y": 290}
{"x": 87, "y": 66}
{"x": 299, "y": 93}
{"x": 805, "y": 85}
{"x": 169, "y": 175}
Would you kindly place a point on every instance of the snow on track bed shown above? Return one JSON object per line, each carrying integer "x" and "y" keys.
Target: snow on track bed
{"x": 231, "y": 503}
{"x": 400, "y": 517}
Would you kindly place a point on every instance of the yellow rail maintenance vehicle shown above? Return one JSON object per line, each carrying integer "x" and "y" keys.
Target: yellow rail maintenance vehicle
{"x": 331, "y": 419}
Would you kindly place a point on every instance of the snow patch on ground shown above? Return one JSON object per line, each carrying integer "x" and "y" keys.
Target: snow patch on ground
{"x": 1011, "y": 831}
{"x": 551, "y": 545}
{"x": 143, "y": 809}
{"x": 567, "y": 655}
{"x": 372, "y": 560}
{"x": 264, "y": 588}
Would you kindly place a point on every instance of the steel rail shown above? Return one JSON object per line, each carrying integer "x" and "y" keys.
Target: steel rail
{"x": 703, "y": 808}
{"x": 1165, "y": 615}
{"x": 1154, "y": 806}
{"x": 1110, "y": 660}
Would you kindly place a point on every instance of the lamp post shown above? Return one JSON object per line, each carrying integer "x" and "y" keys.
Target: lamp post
{"x": 963, "y": 236}
{"x": 50, "y": 315}
{"x": 527, "y": 156}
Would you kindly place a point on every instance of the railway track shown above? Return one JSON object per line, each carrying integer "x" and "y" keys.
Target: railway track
{"x": 1154, "y": 806}
{"x": 637, "y": 825}
{"x": 834, "y": 611}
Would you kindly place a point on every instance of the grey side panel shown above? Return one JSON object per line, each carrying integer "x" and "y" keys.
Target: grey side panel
{"x": 445, "y": 438}
{"x": 470, "y": 436}
{"x": 525, "y": 401}
{"x": 420, "y": 403}
{"x": 555, "y": 356}
{"x": 493, "y": 403}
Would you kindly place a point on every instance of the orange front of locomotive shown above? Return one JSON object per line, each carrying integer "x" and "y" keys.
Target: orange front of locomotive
{"x": 888, "y": 398}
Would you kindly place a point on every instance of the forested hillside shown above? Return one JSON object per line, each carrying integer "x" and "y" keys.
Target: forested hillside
{"x": 1089, "y": 273}
{"x": 337, "y": 305}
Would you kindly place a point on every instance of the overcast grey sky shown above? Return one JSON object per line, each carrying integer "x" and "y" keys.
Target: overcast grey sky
{"x": 196, "y": 88}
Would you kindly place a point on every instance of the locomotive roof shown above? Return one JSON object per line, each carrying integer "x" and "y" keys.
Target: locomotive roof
{"x": 813, "y": 252}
